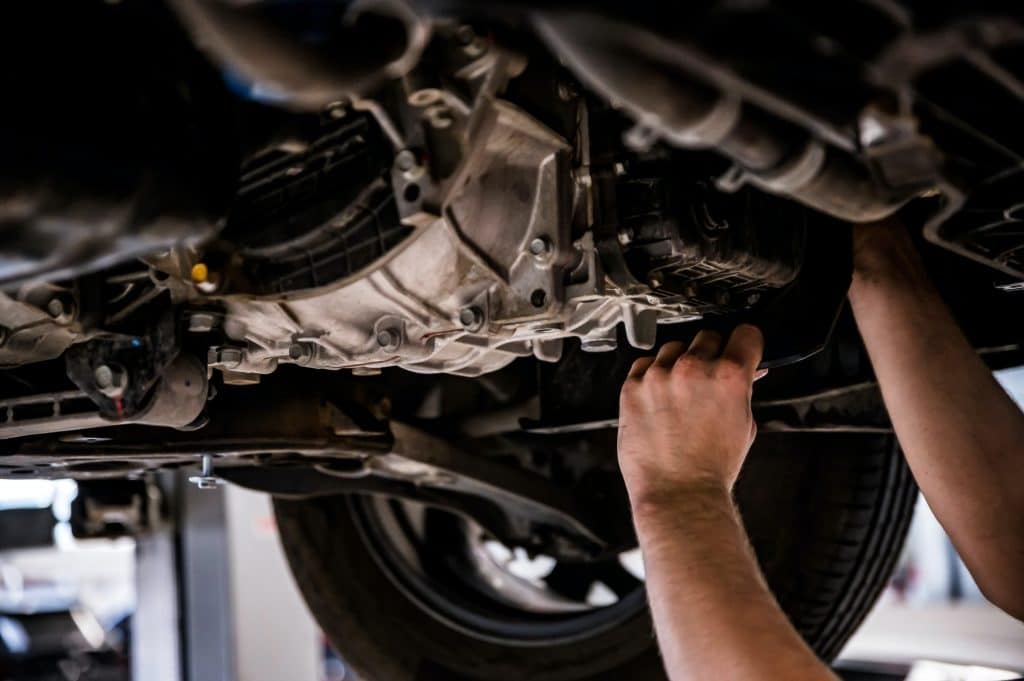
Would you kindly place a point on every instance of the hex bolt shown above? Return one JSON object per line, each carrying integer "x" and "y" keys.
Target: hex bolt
{"x": 626, "y": 236}
{"x": 540, "y": 246}
{"x": 388, "y": 339}
{"x": 472, "y": 318}
{"x": 206, "y": 479}
{"x": 405, "y": 160}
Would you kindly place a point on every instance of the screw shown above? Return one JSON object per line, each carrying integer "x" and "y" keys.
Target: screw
{"x": 472, "y": 318}
{"x": 540, "y": 246}
{"x": 206, "y": 479}
{"x": 301, "y": 353}
{"x": 201, "y": 322}
{"x": 405, "y": 160}
{"x": 388, "y": 339}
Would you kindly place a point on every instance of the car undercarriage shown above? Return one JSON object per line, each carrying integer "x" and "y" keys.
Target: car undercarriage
{"x": 390, "y": 262}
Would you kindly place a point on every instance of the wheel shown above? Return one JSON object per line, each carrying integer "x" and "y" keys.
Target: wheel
{"x": 406, "y": 592}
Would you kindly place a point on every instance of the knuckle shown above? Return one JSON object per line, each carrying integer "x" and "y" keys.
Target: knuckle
{"x": 690, "y": 364}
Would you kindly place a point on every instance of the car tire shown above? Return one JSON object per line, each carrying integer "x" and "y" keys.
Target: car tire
{"x": 826, "y": 513}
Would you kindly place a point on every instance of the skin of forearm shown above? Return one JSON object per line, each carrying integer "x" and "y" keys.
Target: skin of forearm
{"x": 961, "y": 433}
{"x": 713, "y": 613}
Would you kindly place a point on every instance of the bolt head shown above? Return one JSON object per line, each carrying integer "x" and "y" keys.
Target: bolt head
{"x": 598, "y": 344}
{"x": 205, "y": 481}
{"x": 540, "y": 246}
{"x": 753, "y": 298}
{"x": 104, "y": 376}
{"x": 465, "y": 34}
{"x": 654, "y": 281}
{"x": 472, "y": 318}
{"x": 201, "y": 322}
{"x": 60, "y": 308}
{"x": 626, "y": 236}
{"x": 229, "y": 356}
{"x": 440, "y": 117}
{"x": 388, "y": 339}
{"x": 405, "y": 160}
{"x": 110, "y": 380}
{"x": 301, "y": 352}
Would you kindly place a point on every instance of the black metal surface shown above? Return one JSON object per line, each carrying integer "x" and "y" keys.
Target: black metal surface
{"x": 718, "y": 252}
{"x": 311, "y": 216}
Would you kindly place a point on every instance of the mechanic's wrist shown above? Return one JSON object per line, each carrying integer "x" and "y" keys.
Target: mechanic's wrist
{"x": 884, "y": 255}
{"x": 653, "y": 507}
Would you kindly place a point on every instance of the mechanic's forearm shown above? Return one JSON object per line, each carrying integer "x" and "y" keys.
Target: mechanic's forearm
{"x": 961, "y": 433}
{"x": 714, "y": 615}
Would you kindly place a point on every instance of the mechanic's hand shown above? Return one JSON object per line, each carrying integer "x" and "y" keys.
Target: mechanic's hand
{"x": 684, "y": 416}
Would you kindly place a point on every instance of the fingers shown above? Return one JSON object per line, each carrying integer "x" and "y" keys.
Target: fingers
{"x": 745, "y": 346}
{"x": 640, "y": 367}
{"x": 706, "y": 345}
{"x": 668, "y": 354}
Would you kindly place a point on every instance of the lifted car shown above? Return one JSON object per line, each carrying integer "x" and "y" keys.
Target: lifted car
{"x": 389, "y": 261}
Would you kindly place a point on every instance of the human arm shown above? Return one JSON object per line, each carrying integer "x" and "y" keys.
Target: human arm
{"x": 685, "y": 429}
{"x": 961, "y": 433}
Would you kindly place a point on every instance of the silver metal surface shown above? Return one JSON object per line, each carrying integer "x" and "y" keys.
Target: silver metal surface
{"x": 481, "y": 281}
